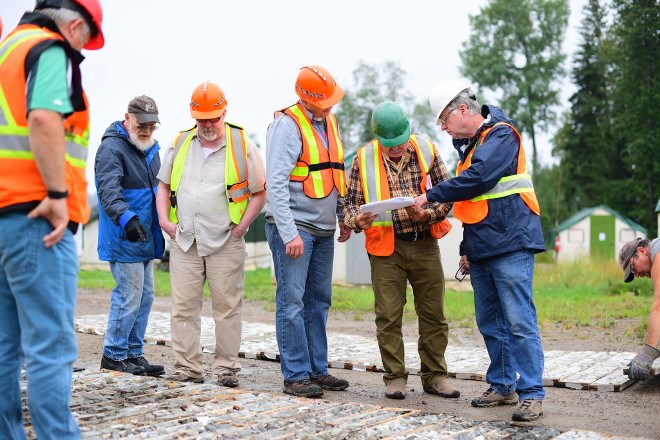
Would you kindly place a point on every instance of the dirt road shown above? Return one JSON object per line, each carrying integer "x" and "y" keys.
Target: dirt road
{"x": 631, "y": 413}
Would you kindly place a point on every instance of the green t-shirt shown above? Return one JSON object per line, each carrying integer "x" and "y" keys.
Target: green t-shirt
{"x": 48, "y": 85}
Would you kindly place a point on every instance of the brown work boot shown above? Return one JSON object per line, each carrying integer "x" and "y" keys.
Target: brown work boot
{"x": 493, "y": 398}
{"x": 228, "y": 380}
{"x": 528, "y": 410}
{"x": 396, "y": 389}
{"x": 330, "y": 382}
{"x": 179, "y": 376}
{"x": 442, "y": 388}
{"x": 302, "y": 388}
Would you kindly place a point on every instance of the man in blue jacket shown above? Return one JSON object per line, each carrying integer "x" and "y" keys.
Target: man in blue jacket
{"x": 126, "y": 166}
{"x": 494, "y": 197}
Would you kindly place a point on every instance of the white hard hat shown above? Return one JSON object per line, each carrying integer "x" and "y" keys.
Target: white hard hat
{"x": 444, "y": 93}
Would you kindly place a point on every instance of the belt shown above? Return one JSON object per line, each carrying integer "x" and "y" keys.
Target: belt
{"x": 413, "y": 236}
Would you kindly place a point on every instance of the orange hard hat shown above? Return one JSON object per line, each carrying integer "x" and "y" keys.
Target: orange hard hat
{"x": 208, "y": 101}
{"x": 315, "y": 84}
{"x": 90, "y": 9}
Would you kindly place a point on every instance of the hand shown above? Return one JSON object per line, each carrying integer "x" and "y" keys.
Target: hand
{"x": 134, "y": 230}
{"x": 418, "y": 215}
{"x": 238, "y": 231}
{"x": 168, "y": 227}
{"x": 640, "y": 366}
{"x": 420, "y": 202}
{"x": 465, "y": 264}
{"x": 57, "y": 214}
{"x": 295, "y": 248}
{"x": 344, "y": 232}
{"x": 364, "y": 220}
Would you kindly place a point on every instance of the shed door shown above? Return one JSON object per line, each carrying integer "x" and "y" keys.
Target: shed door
{"x": 602, "y": 237}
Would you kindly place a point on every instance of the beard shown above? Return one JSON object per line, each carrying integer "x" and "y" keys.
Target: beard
{"x": 209, "y": 134}
{"x": 140, "y": 144}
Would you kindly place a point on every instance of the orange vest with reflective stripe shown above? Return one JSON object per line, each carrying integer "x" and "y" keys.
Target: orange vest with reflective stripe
{"x": 319, "y": 169}
{"x": 379, "y": 238}
{"x": 20, "y": 180}
{"x": 476, "y": 209}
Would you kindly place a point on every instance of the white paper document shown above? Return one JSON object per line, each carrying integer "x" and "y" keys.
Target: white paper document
{"x": 386, "y": 205}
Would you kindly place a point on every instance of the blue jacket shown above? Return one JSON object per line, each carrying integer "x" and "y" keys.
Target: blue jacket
{"x": 126, "y": 186}
{"x": 510, "y": 225}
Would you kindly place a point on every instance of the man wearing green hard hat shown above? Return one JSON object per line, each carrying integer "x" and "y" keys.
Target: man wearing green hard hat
{"x": 403, "y": 245}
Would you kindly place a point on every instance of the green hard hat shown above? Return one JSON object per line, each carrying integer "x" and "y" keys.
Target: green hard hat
{"x": 390, "y": 124}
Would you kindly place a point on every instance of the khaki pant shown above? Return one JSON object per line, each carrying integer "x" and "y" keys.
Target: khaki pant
{"x": 224, "y": 272}
{"x": 417, "y": 262}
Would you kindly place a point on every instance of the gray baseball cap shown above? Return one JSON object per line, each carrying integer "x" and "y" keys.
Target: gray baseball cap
{"x": 625, "y": 255}
{"x": 144, "y": 108}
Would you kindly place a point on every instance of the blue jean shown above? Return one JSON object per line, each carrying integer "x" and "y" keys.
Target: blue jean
{"x": 37, "y": 300}
{"x": 303, "y": 298}
{"x": 506, "y": 317}
{"x": 130, "y": 306}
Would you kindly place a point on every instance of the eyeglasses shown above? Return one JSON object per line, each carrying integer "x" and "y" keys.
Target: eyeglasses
{"x": 443, "y": 119}
{"x": 210, "y": 121}
{"x": 147, "y": 127}
{"x": 632, "y": 264}
{"x": 461, "y": 273}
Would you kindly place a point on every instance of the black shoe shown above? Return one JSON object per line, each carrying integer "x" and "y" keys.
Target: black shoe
{"x": 123, "y": 366}
{"x": 150, "y": 369}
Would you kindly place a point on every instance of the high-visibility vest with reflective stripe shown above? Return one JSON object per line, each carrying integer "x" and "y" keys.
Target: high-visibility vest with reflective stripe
{"x": 236, "y": 169}
{"x": 20, "y": 180}
{"x": 379, "y": 238}
{"x": 319, "y": 169}
{"x": 476, "y": 209}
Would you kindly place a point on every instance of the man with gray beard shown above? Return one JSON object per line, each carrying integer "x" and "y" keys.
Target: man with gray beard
{"x": 126, "y": 166}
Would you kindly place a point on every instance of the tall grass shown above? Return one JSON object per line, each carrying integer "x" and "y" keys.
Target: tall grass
{"x": 573, "y": 295}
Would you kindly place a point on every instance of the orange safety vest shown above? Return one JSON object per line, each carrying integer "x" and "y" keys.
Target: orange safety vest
{"x": 20, "y": 180}
{"x": 373, "y": 177}
{"x": 476, "y": 209}
{"x": 319, "y": 169}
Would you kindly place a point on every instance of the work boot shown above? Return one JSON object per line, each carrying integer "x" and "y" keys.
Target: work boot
{"x": 396, "y": 388}
{"x": 302, "y": 388}
{"x": 178, "y": 376}
{"x": 493, "y": 398}
{"x": 529, "y": 410}
{"x": 443, "y": 389}
{"x": 150, "y": 369}
{"x": 329, "y": 382}
{"x": 228, "y": 380}
{"x": 123, "y": 366}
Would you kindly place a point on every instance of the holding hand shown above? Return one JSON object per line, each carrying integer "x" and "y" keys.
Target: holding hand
{"x": 364, "y": 220}
{"x": 420, "y": 202}
{"x": 134, "y": 230}
{"x": 418, "y": 215}
{"x": 640, "y": 366}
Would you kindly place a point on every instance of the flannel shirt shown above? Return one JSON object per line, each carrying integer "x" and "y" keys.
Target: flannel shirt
{"x": 404, "y": 180}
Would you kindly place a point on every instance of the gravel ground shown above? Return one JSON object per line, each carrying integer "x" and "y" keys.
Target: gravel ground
{"x": 631, "y": 412}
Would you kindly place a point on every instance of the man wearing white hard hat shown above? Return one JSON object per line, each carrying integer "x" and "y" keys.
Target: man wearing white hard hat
{"x": 494, "y": 197}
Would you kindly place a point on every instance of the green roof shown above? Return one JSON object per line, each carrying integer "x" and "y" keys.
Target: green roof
{"x": 587, "y": 212}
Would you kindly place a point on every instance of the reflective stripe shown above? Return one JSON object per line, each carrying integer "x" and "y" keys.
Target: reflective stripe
{"x": 314, "y": 156}
{"x": 427, "y": 154}
{"x": 371, "y": 178}
{"x": 10, "y": 144}
{"x": 17, "y": 38}
{"x": 508, "y": 185}
{"x": 236, "y": 155}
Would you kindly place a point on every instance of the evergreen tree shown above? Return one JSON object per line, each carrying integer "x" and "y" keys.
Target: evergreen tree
{"x": 515, "y": 47}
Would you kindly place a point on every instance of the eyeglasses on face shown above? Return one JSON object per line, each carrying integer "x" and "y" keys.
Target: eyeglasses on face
{"x": 632, "y": 264}
{"x": 443, "y": 119}
{"x": 209, "y": 121}
{"x": 147, "y": 127}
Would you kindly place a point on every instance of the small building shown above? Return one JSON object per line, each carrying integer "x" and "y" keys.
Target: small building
{"x": 597, "y": 232}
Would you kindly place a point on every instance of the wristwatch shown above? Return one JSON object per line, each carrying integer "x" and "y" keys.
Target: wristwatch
{"x": 55, "y": 195}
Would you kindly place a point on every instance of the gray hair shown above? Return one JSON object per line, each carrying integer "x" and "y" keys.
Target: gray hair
{"x": 467, "y": 97}
{"x": 62, "y": 16}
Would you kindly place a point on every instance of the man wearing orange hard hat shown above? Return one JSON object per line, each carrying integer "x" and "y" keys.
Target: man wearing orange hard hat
{"x": 43, "y": 200}
{"x": 212, "y": 187}
{"x": 306, "y": 186}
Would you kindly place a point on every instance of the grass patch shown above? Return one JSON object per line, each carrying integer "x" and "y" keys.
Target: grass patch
{"x": 573, "y": 295}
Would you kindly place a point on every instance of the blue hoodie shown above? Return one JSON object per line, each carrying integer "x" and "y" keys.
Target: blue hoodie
{"x": 510, "y": 225}
{"x": 126, "y": 186}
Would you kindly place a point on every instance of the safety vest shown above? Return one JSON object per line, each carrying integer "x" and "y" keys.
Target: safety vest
{"x": 319, "y": 169}
{"x": 476, "y": 209}
{"x": 236, "y": 170}
{"x": 373, "y": 176}
{"x": 20, "y": 180}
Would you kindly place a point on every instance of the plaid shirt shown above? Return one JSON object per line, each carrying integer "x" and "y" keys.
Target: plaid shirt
{"x": 404, "y": 180}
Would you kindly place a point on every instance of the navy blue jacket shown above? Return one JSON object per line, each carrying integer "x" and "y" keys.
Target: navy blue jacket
{"x": 126, "y": 186}
{"x": 510, "y": 225}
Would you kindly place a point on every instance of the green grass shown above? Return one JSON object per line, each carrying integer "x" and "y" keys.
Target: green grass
{"x": 572, "y": 295}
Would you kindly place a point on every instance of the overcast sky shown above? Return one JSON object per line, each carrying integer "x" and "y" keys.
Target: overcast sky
{"x": 254, "y": 49}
